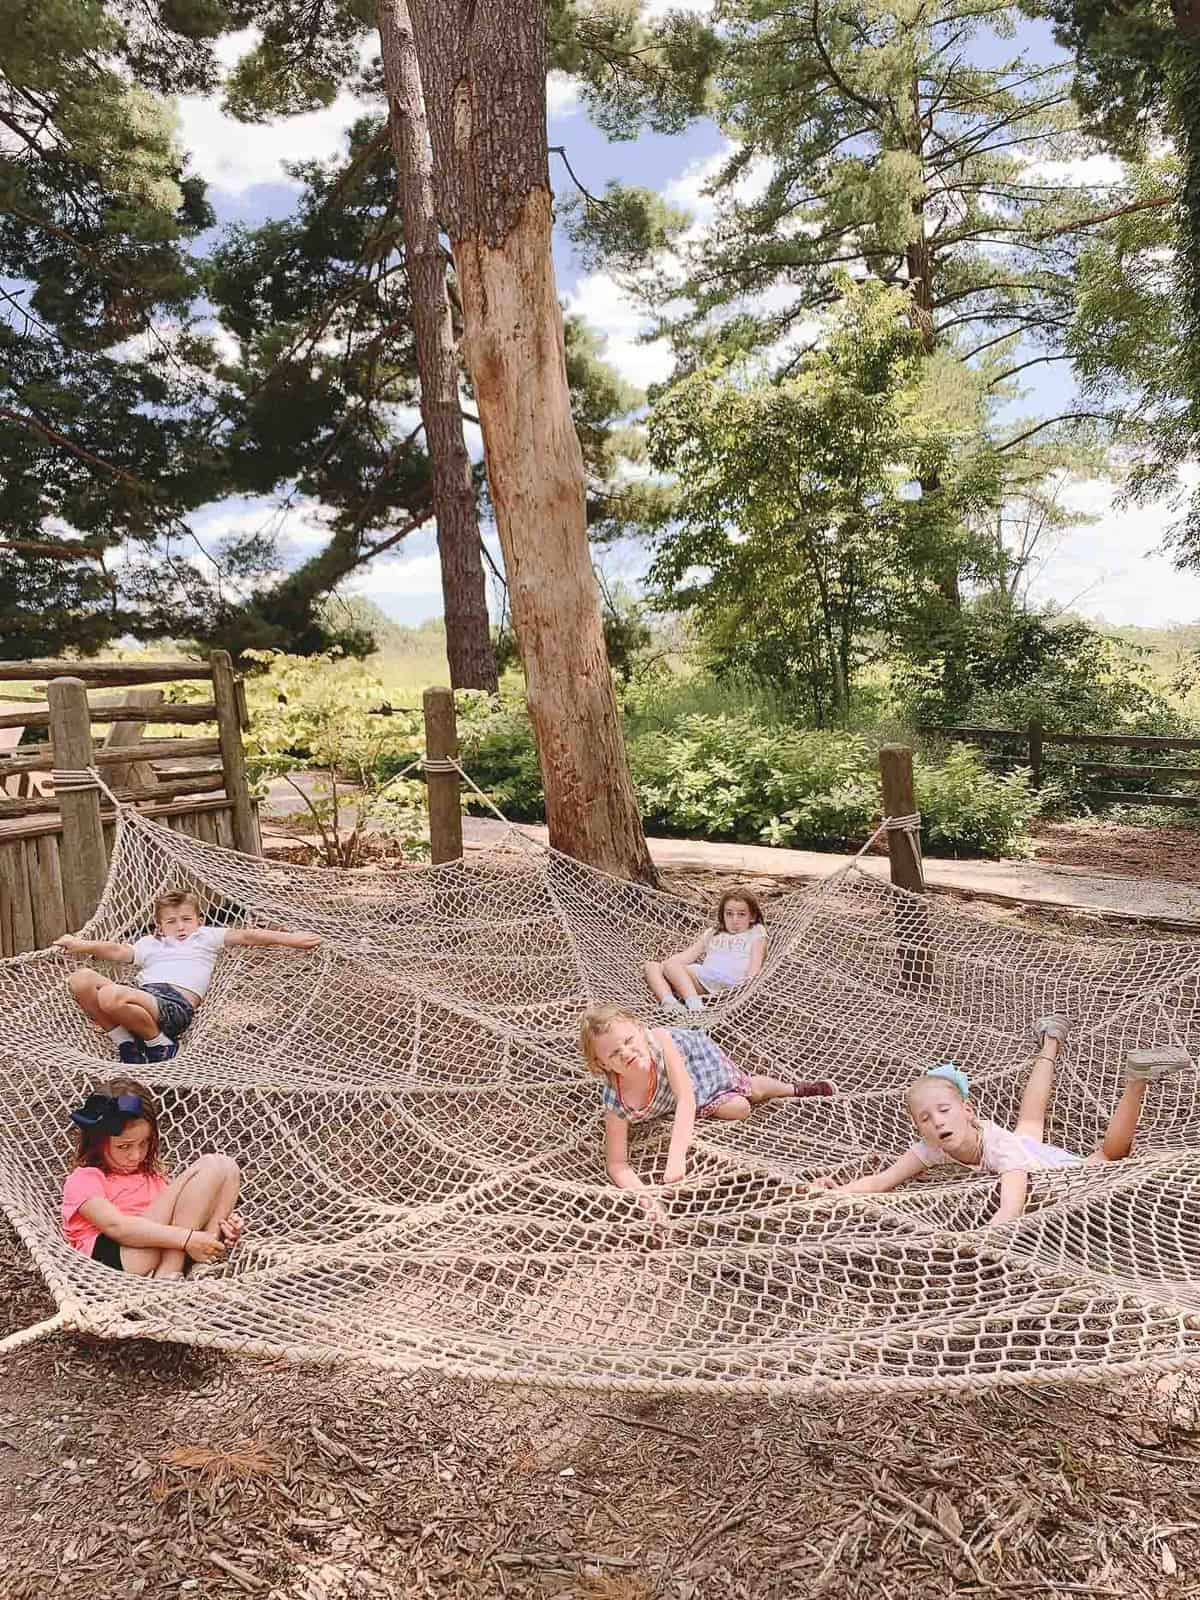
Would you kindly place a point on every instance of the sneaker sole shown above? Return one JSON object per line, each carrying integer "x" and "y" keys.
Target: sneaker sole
{"x": 1149, "y": 1065}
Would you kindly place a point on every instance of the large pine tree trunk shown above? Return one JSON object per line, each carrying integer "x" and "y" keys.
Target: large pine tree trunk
{"x": 468, "y": 638}
{"x": 483, "y": 67}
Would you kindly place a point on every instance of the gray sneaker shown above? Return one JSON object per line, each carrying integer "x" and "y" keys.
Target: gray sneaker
{"x": 1148, "y": 1066}
{"x": 1055, "y": 1026}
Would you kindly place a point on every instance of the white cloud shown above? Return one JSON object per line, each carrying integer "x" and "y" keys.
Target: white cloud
{"x": 1110, "y": 570}
{"x": 562, "y": 95}
{"x": 615, "y": 314}
{"x": 234, "y": 156}
{"x": 1094, "y": 170}
{"x": 659, "y": 8}
{"x": 400, "y": 575}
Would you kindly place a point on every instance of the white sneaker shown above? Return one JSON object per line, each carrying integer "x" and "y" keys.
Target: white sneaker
{"x": 1148, "y": 1066}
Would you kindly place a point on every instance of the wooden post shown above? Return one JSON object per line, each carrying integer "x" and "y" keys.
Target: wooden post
{"x": 899, "y": 800}
{"x": 913, "y": 953}
{"x": 1035, "y": 753}
{"x": 84, "y": 858}
{"x": 233, "y": 757}
{"x": 445, "y": 788}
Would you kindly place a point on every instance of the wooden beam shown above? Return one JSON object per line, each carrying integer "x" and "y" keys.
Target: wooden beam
{"x": 899, "y": 800}
{"x": 1155, "y": 772}
{"x": 84, "y": 857}
{"x": 131, "y": 774}
{"x": 204, "y": 712}
{"x": 36, "y": 827}
{"x": 233, "y": 754}
{"x": 444, "y": 788}
{"x": 1186, "y": 801}
{"x": 170, "y": 790}
{"x": 1126, "y": 741}
{"x": 109, "y": 674}
{"x": 40, "y": 757}
{"x": 1021, "y": 734}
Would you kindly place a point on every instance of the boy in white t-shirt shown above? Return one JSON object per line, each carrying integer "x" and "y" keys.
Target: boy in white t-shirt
{"x": 175, "y": 967}
{"x": 721, "y": 958}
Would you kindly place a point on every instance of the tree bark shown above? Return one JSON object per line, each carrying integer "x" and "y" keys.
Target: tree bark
{"x": 483, "y": 65}
{"x": 468, "y": 635}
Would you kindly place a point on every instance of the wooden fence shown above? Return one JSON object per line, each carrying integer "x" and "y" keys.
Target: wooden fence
{"x": 54, "y": 847}
{"x": 1035, "y": 738}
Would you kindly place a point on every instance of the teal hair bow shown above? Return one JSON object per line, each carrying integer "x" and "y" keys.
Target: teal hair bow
{"x": 952, "y": 1074}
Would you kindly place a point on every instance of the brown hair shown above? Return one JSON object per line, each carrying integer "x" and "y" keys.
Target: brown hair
{"x": 91, "y": 1143}
{"x": 177, "y": 897}
{"x": 595, "y": 1022}
{"x": 747, "y": 898}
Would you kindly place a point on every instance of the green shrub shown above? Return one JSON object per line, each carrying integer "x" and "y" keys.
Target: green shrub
{"x": 730, "y": 776}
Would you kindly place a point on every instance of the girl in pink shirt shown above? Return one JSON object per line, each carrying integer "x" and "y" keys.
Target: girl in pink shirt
{"x": 952, "y": 1133}
{"x": 118, "y": 1206}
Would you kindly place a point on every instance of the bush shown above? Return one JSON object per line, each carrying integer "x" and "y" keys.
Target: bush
{"x": 729, "y": 776}
{"x": 1013, "y": 667}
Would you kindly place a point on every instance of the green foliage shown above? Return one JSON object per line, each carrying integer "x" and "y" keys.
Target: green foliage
{"x": 321, "y": 715}
{"x": 1019, "y": 666}
{"x": 635, "y": 72}
{"x": 730, "y": 776}
{"x": 799, "y": 533}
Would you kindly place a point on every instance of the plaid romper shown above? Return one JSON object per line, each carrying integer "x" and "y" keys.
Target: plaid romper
{"x": 714, "y": 1078}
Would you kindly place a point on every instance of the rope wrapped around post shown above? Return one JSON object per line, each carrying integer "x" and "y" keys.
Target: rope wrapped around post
{"x": 72, "y": 780}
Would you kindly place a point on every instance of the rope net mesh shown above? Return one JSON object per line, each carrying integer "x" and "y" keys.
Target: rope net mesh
{"x": 422, "y": 1153}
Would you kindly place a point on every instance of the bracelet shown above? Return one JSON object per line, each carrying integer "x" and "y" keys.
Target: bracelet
{"x": 187, "y": 1241}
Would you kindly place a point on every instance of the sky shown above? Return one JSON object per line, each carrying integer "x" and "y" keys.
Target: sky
{"x": 1106, "y": 566}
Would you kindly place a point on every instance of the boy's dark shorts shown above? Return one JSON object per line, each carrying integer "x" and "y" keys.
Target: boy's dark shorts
{"x": 175, "y": 1010}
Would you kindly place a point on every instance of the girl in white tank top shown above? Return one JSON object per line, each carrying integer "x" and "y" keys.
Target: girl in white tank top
{"x": 722, "y": 958}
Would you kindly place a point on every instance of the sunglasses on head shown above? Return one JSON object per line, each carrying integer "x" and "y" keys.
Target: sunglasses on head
{"x": 108, "y": 1111}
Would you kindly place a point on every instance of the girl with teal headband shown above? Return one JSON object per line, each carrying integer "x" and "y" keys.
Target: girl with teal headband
{"x": 951, "y": 1133}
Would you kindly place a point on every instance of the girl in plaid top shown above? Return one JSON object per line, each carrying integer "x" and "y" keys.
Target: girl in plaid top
{"x": 658, "y": 1072}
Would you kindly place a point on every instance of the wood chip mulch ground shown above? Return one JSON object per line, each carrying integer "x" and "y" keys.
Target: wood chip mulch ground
{"x": 1121, "y": 849}
{"x": 146, "y": 1470}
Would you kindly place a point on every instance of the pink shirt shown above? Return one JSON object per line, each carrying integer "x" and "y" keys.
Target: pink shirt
{"x": 131, "y": 1192}
{"x": 1003, "y": 1151}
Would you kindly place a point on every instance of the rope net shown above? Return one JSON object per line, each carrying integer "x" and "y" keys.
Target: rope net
{"x": 422, "y": 1155}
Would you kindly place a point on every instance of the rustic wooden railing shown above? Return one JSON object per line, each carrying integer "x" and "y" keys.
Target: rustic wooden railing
{"x": 1035, "y": 738}
{"x": 54, "y": 848}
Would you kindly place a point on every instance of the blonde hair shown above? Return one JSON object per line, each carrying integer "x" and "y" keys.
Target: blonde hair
{"x": 174, "y": 898}
{"x": 942, "y": 1079}
{"x": 598, "y": 1020}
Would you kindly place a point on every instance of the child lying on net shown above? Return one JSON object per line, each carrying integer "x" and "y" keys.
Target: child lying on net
{"x": 952, "y": 1133}
{"x": 661, "y": 1072}
{"x": 722, "y": 957}
{"x": 145, "y": 1019}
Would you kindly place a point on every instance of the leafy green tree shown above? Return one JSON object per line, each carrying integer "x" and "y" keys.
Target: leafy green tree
{"x": 905, "y": 143}
{"x": 1136, "y": 336}
{"x": 800, "y": 531}
{"x": 103, "y": 441}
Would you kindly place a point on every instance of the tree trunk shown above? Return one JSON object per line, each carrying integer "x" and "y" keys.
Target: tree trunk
{"x": 483, "y": 65}
{"x": 468, "y": 636}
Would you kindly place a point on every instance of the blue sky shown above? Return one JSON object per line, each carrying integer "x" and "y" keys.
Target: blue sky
{"x": 1104, "y": 567}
